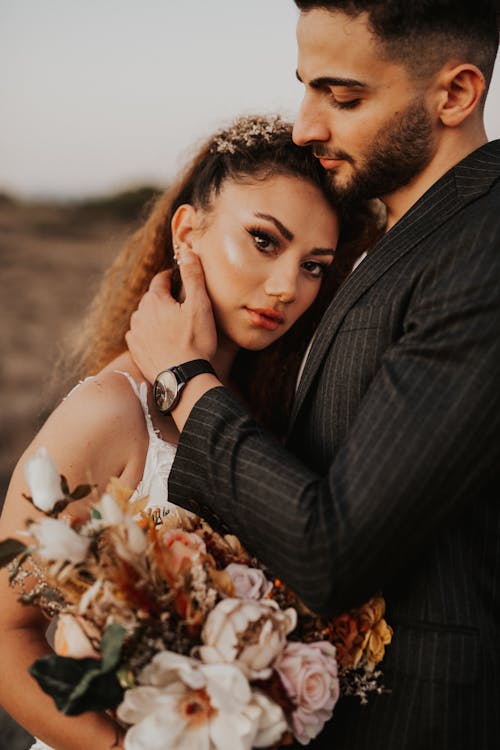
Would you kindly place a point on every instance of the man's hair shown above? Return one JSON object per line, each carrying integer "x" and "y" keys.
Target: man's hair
{"x": 424, "y": 34}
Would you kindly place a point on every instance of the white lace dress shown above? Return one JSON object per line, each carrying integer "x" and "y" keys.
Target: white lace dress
{"x": 154, "y": 483}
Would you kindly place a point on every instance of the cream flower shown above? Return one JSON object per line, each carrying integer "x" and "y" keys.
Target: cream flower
{"x": 185, "y": 705}
{"x": 248, "y": 633}
{"x": 58, "y": 542}
{"x": 248, "y": 583}
{"x": 71, "y": 638}
{"x": 308, "y": 672}
{"x": 43, "y": 480}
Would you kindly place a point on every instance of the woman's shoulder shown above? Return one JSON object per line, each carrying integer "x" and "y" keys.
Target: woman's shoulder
{"x": 111, "y": 393}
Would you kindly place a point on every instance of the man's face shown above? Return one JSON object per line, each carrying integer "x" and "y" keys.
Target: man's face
{"x": 363, "y": 116}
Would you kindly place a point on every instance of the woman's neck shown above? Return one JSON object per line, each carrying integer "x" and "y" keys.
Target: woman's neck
{"x": 224, "y": 358}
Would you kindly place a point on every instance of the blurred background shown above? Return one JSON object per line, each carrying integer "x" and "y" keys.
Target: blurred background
{"x": 101, "y": 103}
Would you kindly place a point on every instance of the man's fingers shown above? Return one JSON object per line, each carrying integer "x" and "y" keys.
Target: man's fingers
{"x": 192, "y": 276}
{"x": 161, "y": 283}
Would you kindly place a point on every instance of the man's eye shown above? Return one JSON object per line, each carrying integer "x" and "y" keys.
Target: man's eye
{"x": 350, "y": 104}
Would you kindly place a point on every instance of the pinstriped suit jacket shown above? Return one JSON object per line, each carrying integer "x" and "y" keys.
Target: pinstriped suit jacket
{"x": 390, "y": 479}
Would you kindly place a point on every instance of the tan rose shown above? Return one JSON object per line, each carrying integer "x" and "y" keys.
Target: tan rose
{"x": 72, "y": 638}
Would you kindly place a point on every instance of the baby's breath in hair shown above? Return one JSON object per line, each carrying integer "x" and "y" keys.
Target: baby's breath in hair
{"x": 248, "y": 132}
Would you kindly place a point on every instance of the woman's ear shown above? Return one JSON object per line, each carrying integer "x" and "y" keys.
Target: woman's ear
{"x": 462, "y": 89}
{"x": 184, "y": 224}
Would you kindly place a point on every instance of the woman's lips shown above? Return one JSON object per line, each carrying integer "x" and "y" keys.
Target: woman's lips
{"x": 265, "y": 318}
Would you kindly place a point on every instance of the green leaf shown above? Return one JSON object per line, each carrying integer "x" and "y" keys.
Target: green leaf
{"x": 79, "y": 685}
{"x": 111, "y": 645}
{"x": 94, "y": 513}
{"x": 9, "y": 550}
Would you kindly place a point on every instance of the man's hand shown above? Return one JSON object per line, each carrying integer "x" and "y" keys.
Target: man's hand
{"x": 163, "y": 332}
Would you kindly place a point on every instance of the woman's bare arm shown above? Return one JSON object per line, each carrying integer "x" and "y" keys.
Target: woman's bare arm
{"x": 98, "y": 432}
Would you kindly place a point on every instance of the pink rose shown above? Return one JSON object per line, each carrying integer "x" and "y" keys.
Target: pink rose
{"x": 178, "y": 550}
{"x": 308, "y": 672}
{"x": 249, "y": 583}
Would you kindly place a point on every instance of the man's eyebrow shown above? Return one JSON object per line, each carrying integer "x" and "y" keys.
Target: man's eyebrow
{"x": 318, "y": 83}
{"x": 286, "y": 233}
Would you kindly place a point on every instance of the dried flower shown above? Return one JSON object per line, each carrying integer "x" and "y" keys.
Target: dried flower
{"x": 248, "y": 633}
{"x": 249, "y": 132}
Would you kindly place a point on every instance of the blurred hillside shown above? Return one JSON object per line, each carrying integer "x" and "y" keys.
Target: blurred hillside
{"x": 51, "y": 259}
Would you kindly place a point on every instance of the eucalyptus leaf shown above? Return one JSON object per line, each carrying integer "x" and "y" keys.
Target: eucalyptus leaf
{"x": 81, "y": 491}
{"x": 64, "y": 485}
{"x": 9, "y": 550}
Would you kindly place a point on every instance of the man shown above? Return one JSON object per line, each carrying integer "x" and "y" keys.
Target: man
{"x": 390, "y": 477}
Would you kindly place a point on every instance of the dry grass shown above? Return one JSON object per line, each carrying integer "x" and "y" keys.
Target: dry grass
{"x": 51, "y": 259}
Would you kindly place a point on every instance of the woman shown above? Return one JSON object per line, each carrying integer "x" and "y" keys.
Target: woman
{"x": 258, "y": 212}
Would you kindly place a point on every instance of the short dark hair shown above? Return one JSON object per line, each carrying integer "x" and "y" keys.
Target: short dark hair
{"x": 426, "y": 33}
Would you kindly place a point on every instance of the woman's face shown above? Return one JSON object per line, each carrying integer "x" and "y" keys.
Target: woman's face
{"x": 265, "y": 246}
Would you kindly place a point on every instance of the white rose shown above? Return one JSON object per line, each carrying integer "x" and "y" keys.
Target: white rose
{"x": 43, "y": 480}
{"x": 56, "y": 541}
{"x": 247, "y": 632}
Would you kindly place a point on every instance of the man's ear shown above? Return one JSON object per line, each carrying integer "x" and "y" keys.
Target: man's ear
{"x": 461, "y": 91}
{"x": 184, "y": 224}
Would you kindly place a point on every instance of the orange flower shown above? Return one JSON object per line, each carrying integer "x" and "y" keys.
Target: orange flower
{"x": 176, "y": 551}
{"x": 361, "y": 635}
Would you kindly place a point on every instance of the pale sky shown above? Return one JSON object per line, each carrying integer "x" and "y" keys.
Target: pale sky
{"x": 99, "y": 95}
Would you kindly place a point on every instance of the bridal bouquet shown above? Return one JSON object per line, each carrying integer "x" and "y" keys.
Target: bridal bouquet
{"x": 176, "y": 630}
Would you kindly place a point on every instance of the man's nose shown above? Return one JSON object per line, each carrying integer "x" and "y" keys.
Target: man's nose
{"x": 311, "y": 125}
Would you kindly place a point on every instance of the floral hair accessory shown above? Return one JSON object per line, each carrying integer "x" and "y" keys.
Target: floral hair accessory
{"x": 249, "y": 132}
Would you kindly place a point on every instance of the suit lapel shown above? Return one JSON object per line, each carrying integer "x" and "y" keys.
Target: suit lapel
{"x": 461, "y": 185}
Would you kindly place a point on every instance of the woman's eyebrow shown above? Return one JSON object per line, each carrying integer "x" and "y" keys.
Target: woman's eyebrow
{"x": 323, "y": 251}
{"x": 286, "y": 233}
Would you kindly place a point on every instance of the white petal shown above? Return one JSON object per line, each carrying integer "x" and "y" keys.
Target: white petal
{"x": 57, "y": 541}
{"x": 158, "y": 731}
{"x": 110, "y": 510}
{"x": 43, "y": 480}
{"x": 232, "y": 732}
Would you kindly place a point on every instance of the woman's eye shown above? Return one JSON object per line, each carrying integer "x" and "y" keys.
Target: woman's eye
{"x": 314, "y": 268}
{"x": 263, "y": 241}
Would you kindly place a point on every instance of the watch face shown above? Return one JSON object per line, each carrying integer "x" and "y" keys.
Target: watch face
{"x": 166, "y": 389}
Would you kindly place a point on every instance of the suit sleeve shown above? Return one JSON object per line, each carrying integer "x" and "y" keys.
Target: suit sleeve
{"x": 422, "y": 448}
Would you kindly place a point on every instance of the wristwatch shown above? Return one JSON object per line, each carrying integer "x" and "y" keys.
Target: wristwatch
{"x": 169, "y": 383}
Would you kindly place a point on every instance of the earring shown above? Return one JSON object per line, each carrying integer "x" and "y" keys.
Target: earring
{"x": 176, "y": 254}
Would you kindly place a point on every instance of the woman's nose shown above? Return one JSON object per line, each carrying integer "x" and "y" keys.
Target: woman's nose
{"x": 311, "y": 125}
{"x": 282, "y": 284}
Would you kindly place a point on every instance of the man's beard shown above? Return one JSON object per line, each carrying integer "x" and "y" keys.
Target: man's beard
{"x": 397, "y": 154}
